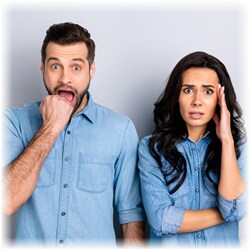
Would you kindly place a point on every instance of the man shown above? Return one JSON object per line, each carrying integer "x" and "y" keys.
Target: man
{"x": 70, "y": 161}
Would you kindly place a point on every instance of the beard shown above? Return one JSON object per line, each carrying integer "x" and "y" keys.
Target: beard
{"x": 79, "y": 96}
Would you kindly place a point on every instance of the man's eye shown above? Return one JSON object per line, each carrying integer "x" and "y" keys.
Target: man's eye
{"x": 76, "y": 68}
{"x": 188, "y": 90}
{"x": 55, "y": 66}
{"x": 209, "y": 92}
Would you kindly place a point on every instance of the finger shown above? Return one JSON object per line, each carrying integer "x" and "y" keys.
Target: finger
{"x": 218, "y": 93}
{"x": 222, "y": 90}
{"x": 221, "y": 94}
{"x": 42, "y": 104}
{"x": 223, "y": 100}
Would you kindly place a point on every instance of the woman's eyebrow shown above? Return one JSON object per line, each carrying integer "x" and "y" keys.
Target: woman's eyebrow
{"x": 203, "y": 85}
{"x": 208, "y": 86}
{"x": 188, "y": 85}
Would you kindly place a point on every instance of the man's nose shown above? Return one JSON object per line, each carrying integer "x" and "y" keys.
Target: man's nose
{"x": 65, "y": 77}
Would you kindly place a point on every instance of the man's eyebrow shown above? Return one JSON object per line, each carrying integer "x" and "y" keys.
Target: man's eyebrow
{"x": 52, "y": 59}
{"x": 78, "y": 59}
{"x": 74, "y": 59}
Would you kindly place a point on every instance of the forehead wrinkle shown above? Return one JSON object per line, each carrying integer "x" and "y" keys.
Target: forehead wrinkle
{"x": 77, "y": 51}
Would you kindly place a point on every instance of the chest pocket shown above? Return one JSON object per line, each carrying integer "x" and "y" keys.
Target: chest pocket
{"x": 94, "y": 177}
{"x": 183, "y": 190}
{"x": 48, "y": 170}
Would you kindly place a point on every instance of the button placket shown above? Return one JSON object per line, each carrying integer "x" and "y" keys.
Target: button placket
{"x": 64, "y": 190}
{"x": 195, "y": 154}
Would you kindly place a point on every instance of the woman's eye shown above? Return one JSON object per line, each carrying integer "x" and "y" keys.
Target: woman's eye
{"x": 209, "y": 92}
{"x": 188, "y": 90}
{"x": 76, "y": 68}
{"x": 55, "y": 66}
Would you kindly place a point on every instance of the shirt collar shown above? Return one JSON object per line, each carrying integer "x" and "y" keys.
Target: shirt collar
{"x": 89, "y": 111}
{"x": 206, "y": 138}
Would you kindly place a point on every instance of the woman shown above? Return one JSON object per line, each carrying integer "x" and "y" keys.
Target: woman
{"x": 192, "y": 167}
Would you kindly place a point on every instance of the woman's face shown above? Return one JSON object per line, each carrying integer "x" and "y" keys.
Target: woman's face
{"x": 198, "y": 98}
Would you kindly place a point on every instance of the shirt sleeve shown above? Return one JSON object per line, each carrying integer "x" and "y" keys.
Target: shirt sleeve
{"x": 235, "y": 210}
{"x": 11, "y": 136}
{"x": 127, "y": 186}
{"x": 163, "y": 217}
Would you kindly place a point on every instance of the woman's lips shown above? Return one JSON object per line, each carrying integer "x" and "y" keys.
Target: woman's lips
{"x": 196, "y": 115}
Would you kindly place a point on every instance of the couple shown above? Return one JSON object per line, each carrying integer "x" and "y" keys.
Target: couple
{"x": 71, "y": 162}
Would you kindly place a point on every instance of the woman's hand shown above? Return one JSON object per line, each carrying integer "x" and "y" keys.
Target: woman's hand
{"x": 223, "y": 127}
{"x": 231, "y": 184}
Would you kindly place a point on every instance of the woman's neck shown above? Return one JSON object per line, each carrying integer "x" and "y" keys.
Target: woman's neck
{"x": 196, "y": 134}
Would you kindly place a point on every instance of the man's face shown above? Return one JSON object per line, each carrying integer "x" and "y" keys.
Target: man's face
{"x": 66, "y": 72}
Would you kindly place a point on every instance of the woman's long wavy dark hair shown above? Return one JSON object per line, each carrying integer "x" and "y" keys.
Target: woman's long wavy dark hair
{"x": 170, "y": 127}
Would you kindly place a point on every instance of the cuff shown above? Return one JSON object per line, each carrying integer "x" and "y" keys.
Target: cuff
{"x": 131, "y": 215}
{"x": 233, "y": 210}
{"x": 172, "y": 219}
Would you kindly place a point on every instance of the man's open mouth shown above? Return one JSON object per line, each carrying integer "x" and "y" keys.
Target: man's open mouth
{"x": 68, "y": 95}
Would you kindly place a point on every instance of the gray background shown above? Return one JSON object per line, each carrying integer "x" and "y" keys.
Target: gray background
{"x": 136, "y": 50}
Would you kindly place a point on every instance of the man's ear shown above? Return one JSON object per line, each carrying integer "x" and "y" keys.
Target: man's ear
{"x": 92, "y": 70}
{"x": 42, "y": 68}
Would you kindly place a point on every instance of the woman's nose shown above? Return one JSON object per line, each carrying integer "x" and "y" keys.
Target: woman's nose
{"x": 197, "y": 100}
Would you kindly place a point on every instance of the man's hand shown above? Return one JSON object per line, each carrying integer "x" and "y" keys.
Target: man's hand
{"x": 56, "y": 112}
{"x": 134, "y": 233}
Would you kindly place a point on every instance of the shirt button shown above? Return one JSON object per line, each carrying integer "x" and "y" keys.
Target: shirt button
{"x": 199, "y": 236}
{"x": 68, "y": 132}
{"x": 63, "y": 213}
{"x": 234, "y": 204}
{"x": 193, "y": 149}
{"x": 65, "y": 185}
{"x": 195, "y": 168}
{"x": 197, "y": 190}
{"x": 67, "y": 158}
{"x": 60, "y": 241}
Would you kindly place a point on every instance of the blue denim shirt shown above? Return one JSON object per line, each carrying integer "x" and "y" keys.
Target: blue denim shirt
{"x": 165, "y": 211}
{"x": 90, "y": 171}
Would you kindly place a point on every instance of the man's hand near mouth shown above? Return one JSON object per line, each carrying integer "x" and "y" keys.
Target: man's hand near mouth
{"x": 56, "y": 111}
